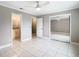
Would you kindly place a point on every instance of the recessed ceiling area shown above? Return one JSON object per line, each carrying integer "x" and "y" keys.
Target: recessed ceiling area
{"x": 46, "y": 7}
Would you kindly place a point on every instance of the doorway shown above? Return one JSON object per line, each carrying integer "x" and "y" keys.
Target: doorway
{"x": 16, "y": 27}
{"x": 60, "y": 28}
{"x": 34, "y": 27}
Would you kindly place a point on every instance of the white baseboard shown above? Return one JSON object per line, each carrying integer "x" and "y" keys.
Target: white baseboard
{"x": 5, "y": 46}
{"x": 74, "y": 43}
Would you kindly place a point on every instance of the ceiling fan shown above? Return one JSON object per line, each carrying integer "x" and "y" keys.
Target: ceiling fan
{"x": 38, "y": 5}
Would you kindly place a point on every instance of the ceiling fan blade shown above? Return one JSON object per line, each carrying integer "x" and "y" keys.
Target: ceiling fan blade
{"x": 30, "y": 6}
{"x": 34, "y": 5}
{"x": 44, "y": 4}
{"x": 37, "y": 4}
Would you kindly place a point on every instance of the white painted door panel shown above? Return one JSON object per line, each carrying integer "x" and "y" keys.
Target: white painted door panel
{"x": 39, "y": 27}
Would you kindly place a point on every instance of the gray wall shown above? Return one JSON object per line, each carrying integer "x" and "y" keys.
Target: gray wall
{"x": 5, "y": 25}
{"x": 74, "y": 20}
{"x": 75, "y": 25}
{"x": 61, "y": 25}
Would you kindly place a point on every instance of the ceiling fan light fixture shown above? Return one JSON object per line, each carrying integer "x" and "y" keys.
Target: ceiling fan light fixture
{"x": 38, "y": 9}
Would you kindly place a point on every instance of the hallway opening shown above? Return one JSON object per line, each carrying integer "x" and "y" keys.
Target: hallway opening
{"x": 34, "y": 27}
{"x": 16, "y": 27}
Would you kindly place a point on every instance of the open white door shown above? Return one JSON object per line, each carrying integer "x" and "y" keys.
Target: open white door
{"x": 39, "y": 27}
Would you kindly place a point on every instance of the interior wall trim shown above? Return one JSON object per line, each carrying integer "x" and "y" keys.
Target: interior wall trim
{"x": 5, "y": 46}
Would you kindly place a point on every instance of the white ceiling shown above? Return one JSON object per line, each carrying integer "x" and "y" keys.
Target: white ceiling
{"x": 46, "y": 6}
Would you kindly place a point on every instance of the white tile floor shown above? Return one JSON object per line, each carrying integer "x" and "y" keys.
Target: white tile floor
{"x": 41, "y": 48}
{"x": 60, "y": 36}
{"x": 63, "y": 38}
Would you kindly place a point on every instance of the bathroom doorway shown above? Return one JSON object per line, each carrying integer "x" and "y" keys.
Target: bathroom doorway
{"x": 16, "y": 27}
